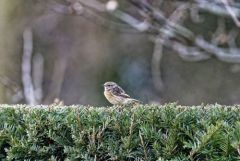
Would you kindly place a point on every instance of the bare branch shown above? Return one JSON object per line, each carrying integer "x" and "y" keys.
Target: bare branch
{"x": 173, "y": 31}
{"x": 214, "y": 7}
{"x": 223, "y": 54}
{"x": 156, "y": 64}
{"x": 158, "y": 48}
{"x": 186, "y": 52}
{"x": 231, "y": 12}
{"x": 91, "y": 15}
{"x": 26, "y": 67}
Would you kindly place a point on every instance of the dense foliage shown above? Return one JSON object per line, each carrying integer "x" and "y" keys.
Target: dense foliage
{"x": 149, "y": 132}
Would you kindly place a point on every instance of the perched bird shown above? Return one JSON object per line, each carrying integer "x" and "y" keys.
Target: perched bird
{"x": 116, "y": 95}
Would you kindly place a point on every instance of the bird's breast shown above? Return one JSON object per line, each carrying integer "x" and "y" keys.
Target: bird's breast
{"x": 111, "y": 98}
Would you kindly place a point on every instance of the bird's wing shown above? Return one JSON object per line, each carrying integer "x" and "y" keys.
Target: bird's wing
{"x": 118, "y": 91}
{"x": 124, "y": 95}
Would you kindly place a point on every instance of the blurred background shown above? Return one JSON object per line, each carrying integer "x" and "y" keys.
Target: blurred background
{"x": 158, "y": 50}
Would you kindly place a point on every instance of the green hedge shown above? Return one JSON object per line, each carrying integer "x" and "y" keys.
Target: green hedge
{"x": 146, "y": 133}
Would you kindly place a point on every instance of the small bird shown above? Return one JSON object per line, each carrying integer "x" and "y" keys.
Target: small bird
{"x": 117, "y": 96}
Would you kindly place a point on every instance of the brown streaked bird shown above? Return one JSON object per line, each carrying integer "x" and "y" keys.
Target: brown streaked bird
{"x": 117, "y": 96}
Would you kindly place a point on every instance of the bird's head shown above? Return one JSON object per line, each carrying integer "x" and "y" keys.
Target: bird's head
{"x": 108, "y": 86}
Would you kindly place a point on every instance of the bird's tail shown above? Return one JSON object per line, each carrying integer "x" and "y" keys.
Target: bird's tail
{"x": 134, "y": 101}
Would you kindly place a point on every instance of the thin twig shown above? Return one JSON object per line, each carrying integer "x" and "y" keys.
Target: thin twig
{"x": 156, "y": 64}
{"x": 38, "y": 69}
{"x": 60, "y": 66}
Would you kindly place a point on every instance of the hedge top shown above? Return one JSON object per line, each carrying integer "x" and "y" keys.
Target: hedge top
{"x": 147, "y": 132}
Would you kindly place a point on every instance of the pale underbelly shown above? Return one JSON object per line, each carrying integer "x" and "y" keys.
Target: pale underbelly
{"x": 116, "y": 100}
